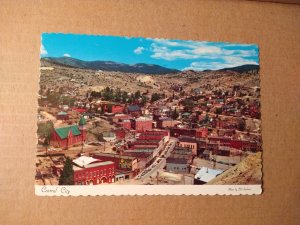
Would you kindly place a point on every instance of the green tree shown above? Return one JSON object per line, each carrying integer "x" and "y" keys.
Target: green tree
{"x": 144, "y": 100}
{"x": 175, "y": 114}
{"x": 137, "y": 94}
{"x": 67, "y": 175}
{"x": 241, "y": 125}
{"x": 66, "y": 100}
{"x": 219, "y": 110}
{"x": 118, "y": 95}
{"x": 188, "y": 105}
{"x": 102, "y": 109}
{"x": 45, "y": 130}
{"x": 155, "y": 97}
{"x": 53, "y": 98}
{"x": 130, "y": 100}
{"x": 109, "y": 108}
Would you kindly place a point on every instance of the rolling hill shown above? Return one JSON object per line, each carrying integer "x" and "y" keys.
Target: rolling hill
{"x": 239, "y": 69}
{"x": 109, "y": 66}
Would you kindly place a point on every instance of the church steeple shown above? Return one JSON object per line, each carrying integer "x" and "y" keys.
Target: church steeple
{"x": 82, "y": 122}
{"x": 81, "y": 126}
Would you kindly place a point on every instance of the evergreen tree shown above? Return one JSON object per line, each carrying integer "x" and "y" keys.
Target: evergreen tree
{"x": 175, "y": 114}
{"x": 155, "y": 97}
{"x": 144, "y": 100}
{"x": 102, "y": 109}
{"x": 109, "y": 108}
{"x": 124, "y": 96}
{"x": 45, "y": 131}
{"x": 241, "y": 125}
{"x": 130, "y": 100}
{"x": 67, "y": 175}
{"x": 118, "y": 95}
{"x": 137, "y": 94}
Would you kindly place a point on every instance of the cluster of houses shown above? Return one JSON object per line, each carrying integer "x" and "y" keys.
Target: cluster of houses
{"x": 204, "y": 124}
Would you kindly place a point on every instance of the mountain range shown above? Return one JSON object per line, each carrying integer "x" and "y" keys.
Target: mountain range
{"x": 110, "y": 66}
{"x": 135, "y": 68}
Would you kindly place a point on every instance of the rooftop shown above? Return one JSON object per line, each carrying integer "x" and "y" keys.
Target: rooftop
{"x": 62, "y": 113}
{"x": 142, "y": 118}
{"x": 93, "y": 165}
{"x": 133, "y": 108}
{"x": 177, "y": 160}
{"x": 187, "y": 139}
{"x": 166, "y": 119}
{"x": 83, "y": 161}
{"x": 206, "y": 174}
{"x": 63, "y": 132}
{"x": 114, "y": 155}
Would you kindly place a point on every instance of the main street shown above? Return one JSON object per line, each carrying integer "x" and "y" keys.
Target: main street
{"x": 160, "y": 162}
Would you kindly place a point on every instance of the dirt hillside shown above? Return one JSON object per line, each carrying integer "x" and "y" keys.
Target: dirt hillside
{"x": 249, "y": 171}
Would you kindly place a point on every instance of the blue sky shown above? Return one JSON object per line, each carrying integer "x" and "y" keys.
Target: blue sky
{"x": 175, "y": 54}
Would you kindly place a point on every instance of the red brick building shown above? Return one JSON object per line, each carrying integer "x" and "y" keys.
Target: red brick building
{"x": 198, "y": 133}
{"x": 134, "y": 110}
{"x": 125, "y": 123}
{"x": 143, "y": 124}
{"x": 201, "y": 132}
{"x": 176, "y": 132}
{"x": 65, "y": 137}
{"x": 117, "y": 109}
{"x": 120, "y": 134}
{"x": 244, "y": 145}
{"x": 189, "y": 142}
{"x": 151, "y": 142}
{"x": 91, "y": 171}
{"x": 123, "y": 163}
{"x": 62, "y": 116}
{"x": 165, "y": 122}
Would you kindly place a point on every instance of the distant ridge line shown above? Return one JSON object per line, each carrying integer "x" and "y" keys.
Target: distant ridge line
{"x": 135, "y": 68}
{"x": 110, "y": 66}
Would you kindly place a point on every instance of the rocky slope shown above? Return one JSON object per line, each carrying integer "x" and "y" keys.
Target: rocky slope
{"x": 249, "y": 171}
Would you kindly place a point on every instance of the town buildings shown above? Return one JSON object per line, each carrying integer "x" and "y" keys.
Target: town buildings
{"x": 126, "y": 165}
{"x": 65, "y": 137}
{"x": 178, "y": 165}
{"x": 62, "y": 115}
{"x": 165, "y": 122}
{"x": 109, "y": 136}
{"x": 205, "y": 175}
{"x": 180, "y": 160}
{"x": 134, "y": 110}
{"x": 151, "y": 142}
{"x": 143, "y": 124}
{"x": 92, "y": 171}
{"x": 189, "y": 142}
{"x": 193, "y": 124}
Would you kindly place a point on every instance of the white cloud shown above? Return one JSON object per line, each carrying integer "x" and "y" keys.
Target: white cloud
{"x": 43, "y": 51}
{"x": 204, "y": 54}
{"x": 139, "y": 50}
{"x": 191, "y": 51}
{"x": 66, "y": 55}
{"x": 229, "y": 61}
{"x": 172, "y": 50}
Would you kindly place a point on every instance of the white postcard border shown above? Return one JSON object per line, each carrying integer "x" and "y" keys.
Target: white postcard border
{"x": 118, "y": 190}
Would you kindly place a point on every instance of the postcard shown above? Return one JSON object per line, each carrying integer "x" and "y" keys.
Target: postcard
{"x": 135, "y": 116}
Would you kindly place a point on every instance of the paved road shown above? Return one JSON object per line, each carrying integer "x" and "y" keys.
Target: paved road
{"x": 160, "y": 162}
